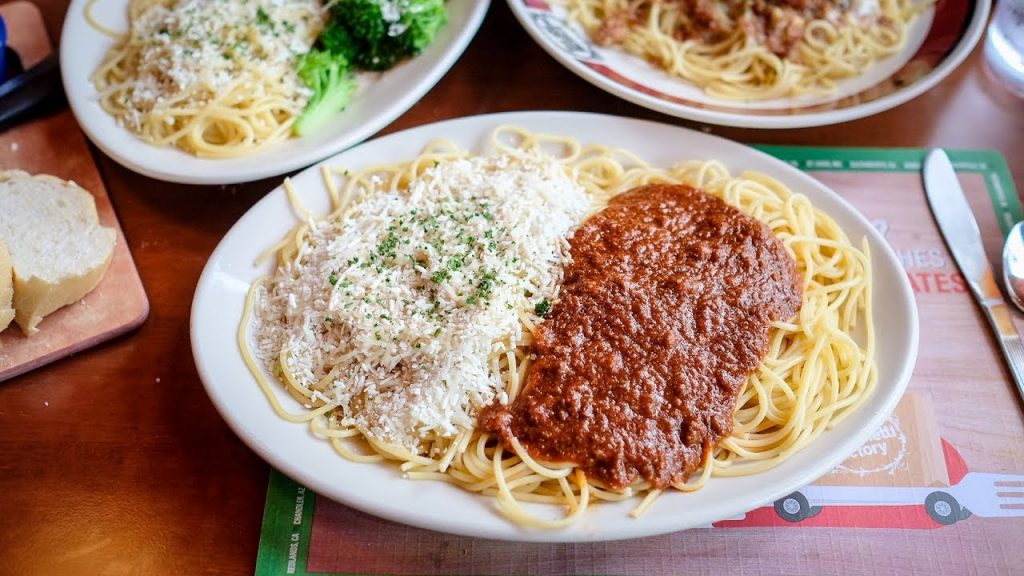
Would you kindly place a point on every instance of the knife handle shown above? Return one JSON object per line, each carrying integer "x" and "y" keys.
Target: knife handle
{"x": 998, "y": 314}
{"x": 23, "y": 92}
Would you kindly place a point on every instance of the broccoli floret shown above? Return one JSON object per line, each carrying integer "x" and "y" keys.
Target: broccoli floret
{"x": 330, "y": 78}
{"x": 376, "y": 34}
{"x": 336, "y": 39}
{"x": 364, "y": 19}
{"x": 423, "y": 19}
{"x": 380, "y": 56}
{"x": 367, "y": 34}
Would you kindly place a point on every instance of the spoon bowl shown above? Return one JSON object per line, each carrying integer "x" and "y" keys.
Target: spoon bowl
{"x": 1013, "y": 265}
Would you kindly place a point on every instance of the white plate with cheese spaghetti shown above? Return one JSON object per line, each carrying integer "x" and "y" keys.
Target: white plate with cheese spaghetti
{"x": 759, "y": 64}
{"x": 222, "y": 92}
{"x": 528, "y": 331}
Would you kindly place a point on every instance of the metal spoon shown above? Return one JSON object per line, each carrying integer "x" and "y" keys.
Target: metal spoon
{"x": 1013, "y": 265}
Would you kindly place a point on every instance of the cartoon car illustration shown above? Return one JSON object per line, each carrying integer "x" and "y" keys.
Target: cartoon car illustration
{"x": 904, "y": 477}
{"x": 980, "y": 493}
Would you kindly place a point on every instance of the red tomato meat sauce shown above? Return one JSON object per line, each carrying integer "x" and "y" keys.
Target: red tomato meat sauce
{"x": 664, "y": 312}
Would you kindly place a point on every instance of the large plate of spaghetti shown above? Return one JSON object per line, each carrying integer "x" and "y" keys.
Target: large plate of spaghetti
{"x": 94, "y": 55}
{"x": 759, "y": 64}
{"x": 407, "y": 443}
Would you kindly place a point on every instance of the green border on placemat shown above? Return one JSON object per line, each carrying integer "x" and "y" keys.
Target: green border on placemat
{"x": 287, "y": 524}
{"x": 990, "y": 163}
{"x": 284, "y": 545}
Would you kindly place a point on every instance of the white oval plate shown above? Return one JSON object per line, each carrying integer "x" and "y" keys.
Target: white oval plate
{"x": 938, "y": 41}
{"x": 380, "y": 489}
{"x": 379, "y": 100}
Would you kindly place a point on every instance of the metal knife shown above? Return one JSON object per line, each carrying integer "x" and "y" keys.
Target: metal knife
{"x": 960, "y": 229}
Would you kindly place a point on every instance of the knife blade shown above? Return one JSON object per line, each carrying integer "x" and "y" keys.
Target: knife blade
{"x": 963, "y": 237}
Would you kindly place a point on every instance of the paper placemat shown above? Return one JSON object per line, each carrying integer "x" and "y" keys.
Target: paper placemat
{"x": 939, "y": 489}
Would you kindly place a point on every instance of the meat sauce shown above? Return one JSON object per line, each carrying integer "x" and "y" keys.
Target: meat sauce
{"x": 777, "y": 24}
{"x": 663, "y": 314}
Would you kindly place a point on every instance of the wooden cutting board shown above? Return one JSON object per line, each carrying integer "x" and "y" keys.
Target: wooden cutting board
{"x": 55, "y": 145}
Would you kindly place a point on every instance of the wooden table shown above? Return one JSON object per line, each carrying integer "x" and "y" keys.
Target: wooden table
{"x": 115, "y": 462}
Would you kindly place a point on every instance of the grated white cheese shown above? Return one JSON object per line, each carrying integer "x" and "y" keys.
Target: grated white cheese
{"x": 199, "y": 47}
{"x": 866, "y": 8}
{"x": 863, "y": 12}
{"x": 402, "y": 302}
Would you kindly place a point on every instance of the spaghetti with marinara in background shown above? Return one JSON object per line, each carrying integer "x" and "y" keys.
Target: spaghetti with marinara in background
{"x": 819, "y": 366}
{"x": 749, "y": 50}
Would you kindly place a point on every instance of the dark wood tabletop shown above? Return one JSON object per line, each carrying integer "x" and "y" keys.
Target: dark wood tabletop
{"x": 114, "y": 461}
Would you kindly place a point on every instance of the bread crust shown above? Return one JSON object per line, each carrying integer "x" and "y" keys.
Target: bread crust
{"x": 6, "y": 286}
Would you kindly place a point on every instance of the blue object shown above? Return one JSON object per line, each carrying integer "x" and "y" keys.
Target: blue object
{"x": 3, "y": 50}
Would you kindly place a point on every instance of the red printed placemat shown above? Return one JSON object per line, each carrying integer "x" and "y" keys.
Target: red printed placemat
{"x": 938, "y": 489}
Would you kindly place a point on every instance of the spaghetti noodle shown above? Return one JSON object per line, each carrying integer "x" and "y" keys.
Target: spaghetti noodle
{"x": 819, "y": 367}
{"x": 753, "y": 50}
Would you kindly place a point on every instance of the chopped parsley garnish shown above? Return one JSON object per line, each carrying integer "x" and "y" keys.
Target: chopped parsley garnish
{"x": 387, "y": 247}
{"x": 485, "y": 285}
{"x": 457, "y": 261}
{"x": 262, "y": 17}
{"x": 542, "y": 308}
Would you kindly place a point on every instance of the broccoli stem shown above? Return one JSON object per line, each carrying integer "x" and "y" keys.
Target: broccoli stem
{"x": 319, "y": 112}
{"x": 333, "y": 85}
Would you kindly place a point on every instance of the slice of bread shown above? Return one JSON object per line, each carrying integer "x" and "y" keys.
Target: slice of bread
{"x": 6, "y": 286}
{"x": 59, "y": 250}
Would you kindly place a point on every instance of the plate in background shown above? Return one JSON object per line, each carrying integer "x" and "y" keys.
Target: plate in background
{"x": 380, "y": 99}
{"x": 938, "y": 41}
